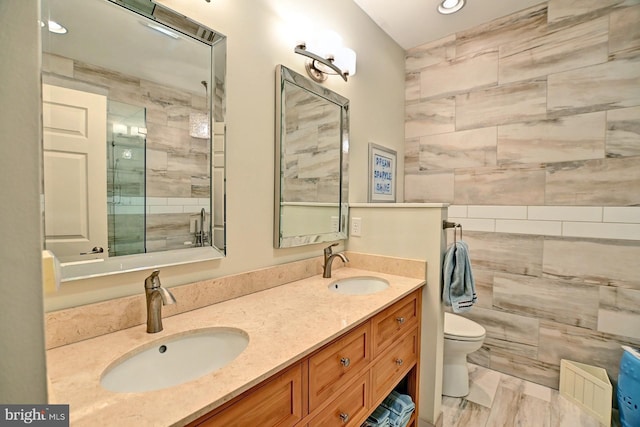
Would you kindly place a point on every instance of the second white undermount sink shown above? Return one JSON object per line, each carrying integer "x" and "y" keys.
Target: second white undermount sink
{"x": 364, "y": 285}
{"x": 175, "y": 360}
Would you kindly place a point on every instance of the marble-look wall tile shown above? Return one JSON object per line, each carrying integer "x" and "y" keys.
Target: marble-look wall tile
{"x": 464, "y": 149}
{"x": 412, "y": 87}
{"x": 506, "y": 326}
{"x": 524, "y": 185}
{"x": 624, "y": 31}
{"x": 505, "y": 252}
{"x": 430, "y": 53}
{"x": 623, "y": 132}
{"x": 481, "y": 357}
{"x": 164, "y": 184}
{"x": 569, "y": 138}
{"x": 619, "y": 312}
{"x": 559, "y": 341}
{"x": 605, "y": 182}
{"x": 527, "y": 368}
{"x": 511, "y": 347}
{"x": 565, "y": 49}
{"x": 595, "y": 261}
{"x": 429, "y": 117}
{"x": 191, "y": 164}
{"x": 411, "y": 156}
{"x": 527, "y": 23}
{"x": 484, "y": 286}
{"x": 429, "y": 187}
{"x": 570, "y": 10}
{"x": 599, "y": 87}
{"x": 545, "y": 298}
{"x": 462, "y": 74}
{"x": 512, "y": 103}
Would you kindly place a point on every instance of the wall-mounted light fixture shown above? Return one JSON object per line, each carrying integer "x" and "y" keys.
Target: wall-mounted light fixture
{"x": 327, "y": 56}
{"x": 447, "y": 7}
{"x": 199, "y": 122}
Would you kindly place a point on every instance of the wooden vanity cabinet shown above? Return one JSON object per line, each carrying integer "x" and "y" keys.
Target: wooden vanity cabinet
{"x": 341, "y": 383}
{"x": 278, "y": 402}
{"x": 337, "y": 364}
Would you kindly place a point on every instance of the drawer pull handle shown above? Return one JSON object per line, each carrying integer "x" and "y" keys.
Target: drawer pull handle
{"x": 399, "y": 362}
{"x": 345, "y": 361}
{"x": 400, "y": 320}
{"x": 344, "y": 417}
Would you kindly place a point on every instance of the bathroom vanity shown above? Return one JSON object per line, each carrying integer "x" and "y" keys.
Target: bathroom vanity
{"x": 341, "y": 383}
{"x": 314, "y": 358}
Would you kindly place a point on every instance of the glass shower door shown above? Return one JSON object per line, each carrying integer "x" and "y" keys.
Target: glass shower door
{"x": 126, "y": 143}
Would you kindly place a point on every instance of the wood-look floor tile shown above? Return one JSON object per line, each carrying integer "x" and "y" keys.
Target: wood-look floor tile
{"x": 463, "y": 413}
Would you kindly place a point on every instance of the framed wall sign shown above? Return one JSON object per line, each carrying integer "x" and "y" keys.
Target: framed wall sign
{"x": 382, "y": 174}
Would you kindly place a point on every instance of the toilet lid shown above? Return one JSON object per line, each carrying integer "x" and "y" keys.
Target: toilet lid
{"x": 458, "y": 327}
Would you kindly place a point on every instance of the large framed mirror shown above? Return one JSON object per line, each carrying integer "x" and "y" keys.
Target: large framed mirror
{"x": 312, "y": 162}
{"x": 133, "y": 136}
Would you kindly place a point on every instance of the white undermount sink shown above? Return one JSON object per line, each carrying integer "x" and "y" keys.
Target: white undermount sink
{"x": 363, "y": 285}
{"x": 175, "y": 360}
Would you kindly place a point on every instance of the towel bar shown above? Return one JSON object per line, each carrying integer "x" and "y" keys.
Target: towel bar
{"x": 448, "y": 224}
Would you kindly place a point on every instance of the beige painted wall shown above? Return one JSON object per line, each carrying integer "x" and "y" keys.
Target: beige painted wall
{"x": 22, "y": 365}
{"x": 412, "y": 230}
{"x": 260, "y": 36}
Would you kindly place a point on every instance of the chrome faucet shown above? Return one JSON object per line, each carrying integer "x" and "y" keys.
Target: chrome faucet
{"x": 328, "y": 260}
{"x": 157, "y": 296}
{"x": 202, "y": 235}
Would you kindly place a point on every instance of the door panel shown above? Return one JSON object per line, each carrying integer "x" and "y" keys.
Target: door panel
{"x": 75, "y": 181}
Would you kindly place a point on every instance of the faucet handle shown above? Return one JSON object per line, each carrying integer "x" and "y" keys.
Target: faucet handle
{"x": 328, "y": 251}
{"x": 153, "y": 281}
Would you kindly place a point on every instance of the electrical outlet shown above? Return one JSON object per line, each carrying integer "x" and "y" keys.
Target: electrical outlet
{"x": 356, "y": 227}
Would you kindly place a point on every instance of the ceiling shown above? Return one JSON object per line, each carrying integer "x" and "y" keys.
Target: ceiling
{"x": 414, "y": 22}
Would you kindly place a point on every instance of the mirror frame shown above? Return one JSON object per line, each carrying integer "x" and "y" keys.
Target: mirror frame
{"x": 129, "y": 263}
{"x": 286, "y": 75}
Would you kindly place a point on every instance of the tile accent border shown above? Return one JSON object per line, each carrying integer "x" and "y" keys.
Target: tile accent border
{"x": 598, "y": 222}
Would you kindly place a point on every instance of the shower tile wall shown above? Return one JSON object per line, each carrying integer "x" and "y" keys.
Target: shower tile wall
{"x": 529, "y": 126}
{"x": 178, "y": 166}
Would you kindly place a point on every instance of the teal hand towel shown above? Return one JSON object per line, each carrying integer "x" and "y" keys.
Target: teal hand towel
{"x": 400, "y": 407}
{"x": 459, "y": 288}
{"x": 379, "y": 417}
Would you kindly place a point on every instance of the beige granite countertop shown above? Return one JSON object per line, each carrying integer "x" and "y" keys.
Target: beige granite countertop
{"x": 284, "y": 324}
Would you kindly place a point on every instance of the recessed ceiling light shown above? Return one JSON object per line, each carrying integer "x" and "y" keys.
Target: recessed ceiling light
{"x": 450, "y": 6}
{"x": 54, "y": 27}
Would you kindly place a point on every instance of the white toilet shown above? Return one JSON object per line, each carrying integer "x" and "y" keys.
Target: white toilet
{"x": 461, "y": 337}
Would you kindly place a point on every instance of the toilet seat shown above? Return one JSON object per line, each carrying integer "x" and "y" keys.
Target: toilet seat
{"x": 461, "y": 329}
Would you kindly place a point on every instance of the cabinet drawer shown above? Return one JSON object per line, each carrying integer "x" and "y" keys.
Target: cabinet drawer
{"x": 276, "y": 403}
{"x": 389, "y": 325}
{"x": 349, "y": 408}
{"x": 338, "y": 363}
{"x": 394, "y": 364}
